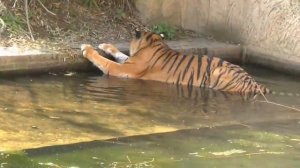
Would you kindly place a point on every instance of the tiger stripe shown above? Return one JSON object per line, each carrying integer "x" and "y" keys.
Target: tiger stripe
{"x": 167, "y": 60}
{"x": 179, "y": 63}
{"x": 152, "y": 59}
{"x": 173, "y": 63}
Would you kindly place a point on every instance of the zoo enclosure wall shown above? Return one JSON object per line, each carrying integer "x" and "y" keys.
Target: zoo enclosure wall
{"x": 268, "y": 30}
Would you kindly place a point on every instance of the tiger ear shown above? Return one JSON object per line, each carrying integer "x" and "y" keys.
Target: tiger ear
{"x": 138, "y": 33}
{"x": 162, "y": 35}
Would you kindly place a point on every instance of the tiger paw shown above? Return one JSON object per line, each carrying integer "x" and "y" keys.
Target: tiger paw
{"x": 85, "y": 49}
{"x": 108, "y": 48}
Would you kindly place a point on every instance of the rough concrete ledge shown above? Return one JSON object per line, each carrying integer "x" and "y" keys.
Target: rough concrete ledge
{"x": 41, "y": 62}
{"x": 52, "y": 61}
{"x": 256, "y": 56}
{"x": 29, "y": 62}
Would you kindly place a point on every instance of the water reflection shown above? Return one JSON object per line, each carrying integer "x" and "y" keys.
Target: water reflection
{"x": 58, "y": 109}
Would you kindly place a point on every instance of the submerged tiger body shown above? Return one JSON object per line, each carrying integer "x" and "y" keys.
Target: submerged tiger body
{"x": 152, "y": 59}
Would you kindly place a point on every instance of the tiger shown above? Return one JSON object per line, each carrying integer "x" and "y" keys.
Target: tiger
{"x": 152, "y": 59}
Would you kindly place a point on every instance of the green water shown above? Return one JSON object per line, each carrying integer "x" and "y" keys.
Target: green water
{"x": 229, "y": 146}
{"x": 132, "y": 123}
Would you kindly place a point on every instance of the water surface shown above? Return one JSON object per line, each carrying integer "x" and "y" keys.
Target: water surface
{"x": 89, "y": 120}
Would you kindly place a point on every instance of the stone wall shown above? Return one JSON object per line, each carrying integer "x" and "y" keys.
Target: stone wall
{"x": 269, "y": 30}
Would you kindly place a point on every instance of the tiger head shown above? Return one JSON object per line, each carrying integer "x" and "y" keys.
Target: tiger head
{"x": 142, "y": 40}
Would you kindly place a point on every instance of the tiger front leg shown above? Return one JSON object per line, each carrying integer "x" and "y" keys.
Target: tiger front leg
{"x": 112, "y": 50}
{"x": 107, "y": 66}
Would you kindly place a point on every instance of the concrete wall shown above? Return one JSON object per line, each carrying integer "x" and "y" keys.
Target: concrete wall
{"x": 268, "y": 29}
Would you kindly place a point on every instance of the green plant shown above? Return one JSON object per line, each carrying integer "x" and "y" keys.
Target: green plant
{"x": 14, "y": 23}
{"x": 91, "y": 3}
{"x": 120, "y": 14}
{"x": 166, "y": 29}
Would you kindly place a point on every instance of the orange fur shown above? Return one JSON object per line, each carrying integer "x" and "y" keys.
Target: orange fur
{"x": 152, "y": 59}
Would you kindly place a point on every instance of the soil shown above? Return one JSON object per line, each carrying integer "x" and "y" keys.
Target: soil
{"x": 59, "y": 23}
{"x": 64, "y": 24}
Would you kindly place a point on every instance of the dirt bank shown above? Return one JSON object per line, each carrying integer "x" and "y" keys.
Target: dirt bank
{"x": 66, "y": 22}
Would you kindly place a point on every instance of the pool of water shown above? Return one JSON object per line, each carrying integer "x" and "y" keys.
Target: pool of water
{"x": 89, "y": 120}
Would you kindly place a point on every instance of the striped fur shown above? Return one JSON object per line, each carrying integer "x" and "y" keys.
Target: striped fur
{"x": 152, "y": 59}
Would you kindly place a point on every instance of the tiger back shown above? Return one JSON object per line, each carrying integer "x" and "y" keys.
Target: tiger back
{"x": 152, "y": 59}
